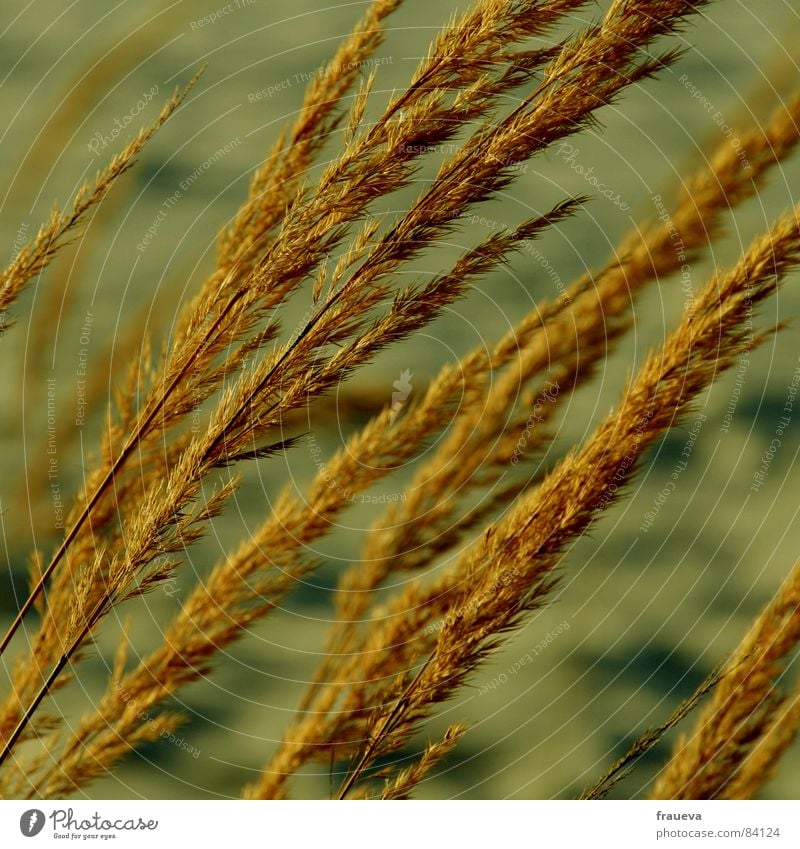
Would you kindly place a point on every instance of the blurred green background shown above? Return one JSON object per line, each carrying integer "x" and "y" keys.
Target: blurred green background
{"x": 649, "y": 614}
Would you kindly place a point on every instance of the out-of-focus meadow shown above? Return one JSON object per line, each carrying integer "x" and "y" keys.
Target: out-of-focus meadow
{"x": 648, "y": 605}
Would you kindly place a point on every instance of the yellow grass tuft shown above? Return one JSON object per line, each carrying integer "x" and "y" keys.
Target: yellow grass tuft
{"x": 445, "y": 577}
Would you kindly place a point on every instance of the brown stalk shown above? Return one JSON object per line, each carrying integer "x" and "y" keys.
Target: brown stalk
{"x": 384, "y": 726}
{"x": 47, "y": 243}
{"x": 409, "y": 778}
{"x": 132, "y": 441}
{"x": 207, "y": 340}
{"x": 751, "y": 719}
{"x": 380, "y": 9}
{"x": 510, "y": 570}
{"x": 230, "y": 575}
{"x": 35, "y": 256}
{"x": 553, "y": 332}
{"x": 371, "y": 702}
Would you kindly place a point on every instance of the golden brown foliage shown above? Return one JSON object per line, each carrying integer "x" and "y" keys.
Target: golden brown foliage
{"x": 751, "y": 718}
{"x": 155, "y": 485}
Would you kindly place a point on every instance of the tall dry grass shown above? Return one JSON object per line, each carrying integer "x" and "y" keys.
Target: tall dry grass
{"x": 394, "y": 656}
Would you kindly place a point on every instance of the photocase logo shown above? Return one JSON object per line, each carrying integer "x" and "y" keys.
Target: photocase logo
{"x": 31, "y": 822}
{"x": 399, "y": 397}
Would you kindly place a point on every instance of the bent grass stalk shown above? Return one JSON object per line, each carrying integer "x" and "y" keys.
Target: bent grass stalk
{"x": 389, "y": 666}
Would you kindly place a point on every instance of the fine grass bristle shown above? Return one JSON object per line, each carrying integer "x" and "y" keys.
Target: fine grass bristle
{"x": 482, "y": 538}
